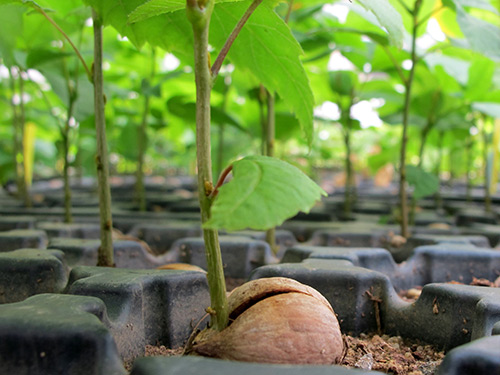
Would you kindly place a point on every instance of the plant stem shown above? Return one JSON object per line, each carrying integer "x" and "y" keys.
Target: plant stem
{"x": 468, "y": 150}
{"x": 262, "y": 116}
{"x": 65, "y": 132}
{"x": 406, "y": 112}
{"x": 220, "y": 181}
{"x": 200, "y": 20}
{"x": 396, "y": 64}
{"x": 141, "y": 147}
{"x": 21, "y": 124}
{"x": 347, "y": 127}
{"x": 439, "y": 200}
{"x": 142, "y": 141}
{"x": 105, "y": 252}
{"x": 270, "y": 135}
{"x": 230, "y": 40}
{"x": 423, "y": 140}
{"x": 432, "y": 13}
{"x": 15, "y": 136}
{"x": 487, "y": 192}
{"x": 289, "y": 11}
{"x": 348, "y": 174}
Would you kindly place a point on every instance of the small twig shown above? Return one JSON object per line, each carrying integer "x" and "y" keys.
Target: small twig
{"x": 405, "y": 6}
{"x": 220, "y": 181}
{"x": 87, "y": 70}
{"x": 396, "y": 65}
{"x": 189, "y": 344}
{"x": 232, "y": 37}
{"x": 376, "y": 302}
{"x": 289, "y": 11}
{"x": 434, "y": 11}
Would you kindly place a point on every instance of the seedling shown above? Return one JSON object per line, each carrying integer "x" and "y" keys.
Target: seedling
{"x": 264, "y": 191}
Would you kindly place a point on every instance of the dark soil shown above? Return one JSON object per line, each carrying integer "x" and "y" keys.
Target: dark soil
{"x": 392, "y": 355}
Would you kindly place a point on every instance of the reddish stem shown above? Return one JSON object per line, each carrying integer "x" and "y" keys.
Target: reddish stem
{"x": 220, "y": 181}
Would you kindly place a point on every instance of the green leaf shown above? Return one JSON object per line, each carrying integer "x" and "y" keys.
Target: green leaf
{"x": 263, "y": 193}
{"x": 343, "y": 82}
{"x": 457, "y": 68}
{"x": 480, "y": 78}
{"x": 187, "y": 111}
{"x": 482, "y": 36}
{"x": 157, "y": 7}
{"x": 480, "y": 4}
{"x": 40, "y": 56}
{"x": 388, "y": 18}
{"x": 424, "y": 183}
{"x": 267, "y": 48}
{"x": 490, "y": 109}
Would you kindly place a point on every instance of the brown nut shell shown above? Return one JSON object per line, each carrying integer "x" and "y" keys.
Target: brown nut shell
{"x": 254, "y": 291}
{"x": 292, "y": 328}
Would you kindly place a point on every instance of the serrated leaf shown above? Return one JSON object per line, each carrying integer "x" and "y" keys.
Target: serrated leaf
{"x": 263, "y": 193}
{"x": 388, "y": 17}
{"x": 424, "y": 183}
{"x": 267, "y": 48}
{"x": 157, "y": 7}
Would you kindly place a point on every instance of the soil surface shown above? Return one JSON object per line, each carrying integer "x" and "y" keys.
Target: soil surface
{"x": 392, "y": 355}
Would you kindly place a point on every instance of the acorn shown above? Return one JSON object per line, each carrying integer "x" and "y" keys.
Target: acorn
{"x": 276, "y": 320}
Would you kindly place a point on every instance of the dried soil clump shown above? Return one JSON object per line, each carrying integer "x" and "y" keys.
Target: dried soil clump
{"x": 392, "y": 355}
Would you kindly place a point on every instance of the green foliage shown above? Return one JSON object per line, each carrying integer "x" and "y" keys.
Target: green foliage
{"x": 263, "y": 193}
{"x": 343, "y": 82}
{"x": 482, "y": 36}
{"x": 157, "y": 7}
{"x": 480, "y": 78}
{"x": 178, "y": 106}
{"x": 424, "y": 183}
{"x": 265, "y": 47}
{"x": 388, "y": 17}
{"x": 464, "y": 68}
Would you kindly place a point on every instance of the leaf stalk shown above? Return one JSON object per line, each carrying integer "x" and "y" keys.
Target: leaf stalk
{"x": 232, "y": 37}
